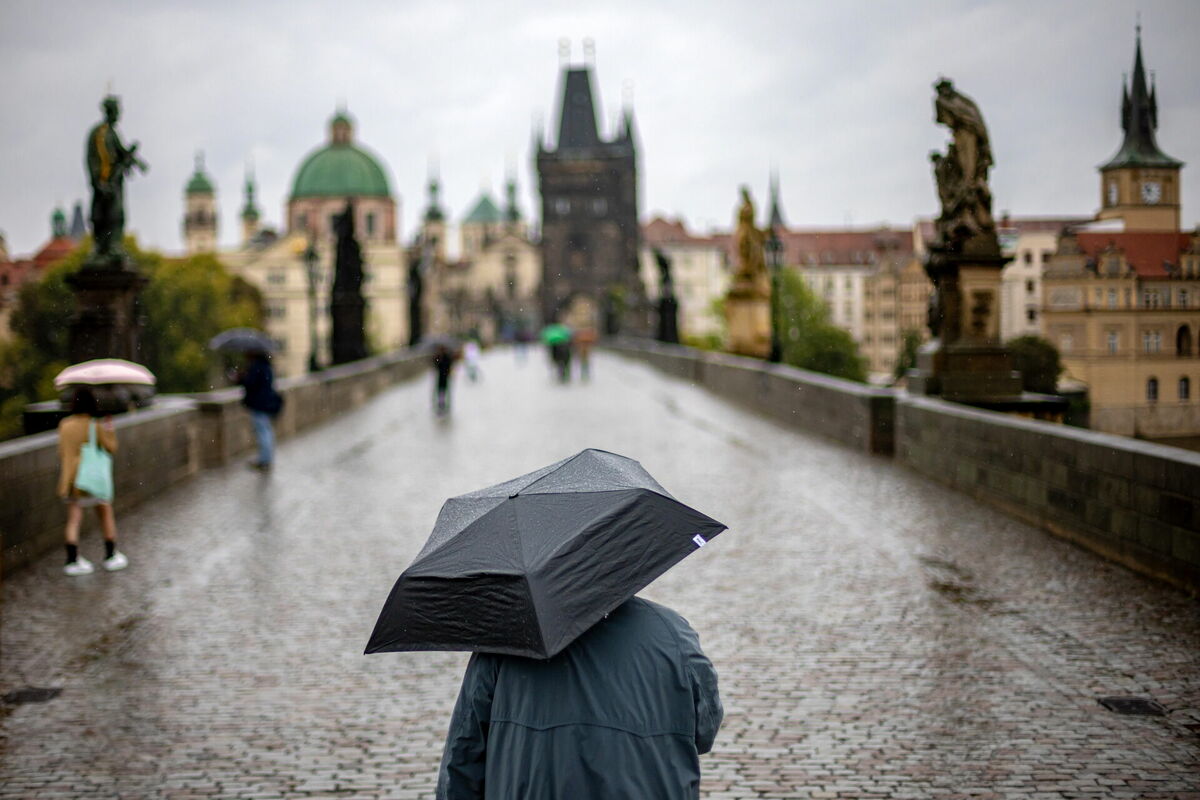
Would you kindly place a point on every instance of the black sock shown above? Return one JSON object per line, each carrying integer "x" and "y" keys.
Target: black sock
{"x": 72, "y": 553}
{"x": 110, "y": 547}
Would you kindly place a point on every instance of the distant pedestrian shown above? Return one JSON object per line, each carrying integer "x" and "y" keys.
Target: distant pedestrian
{"x": 623, "y": 712}
{"x": 263, "y": 403}
{"x": 560, "y": 355}
{"x": 74, "y": 432}
{"x": 471, "y": 355}
{"x": 582, "y": 341}
{"x": 443, "y": 365}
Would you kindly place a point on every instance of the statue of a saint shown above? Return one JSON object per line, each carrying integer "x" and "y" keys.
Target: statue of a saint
{"x": 347, "y": 306}
{"x": 108, "y": 161}
{"x": 752, "y": 265}
{"x": 962, "y": 173}
{"x": 348, "y": 271}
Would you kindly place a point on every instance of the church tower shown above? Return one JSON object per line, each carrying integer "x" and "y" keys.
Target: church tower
{"x": 200, "y": 215}
{"x": 250, "y": 213}
{"x": 590, "y": 232}
{"x": 1140, "y": 184}
{"x": 433, "y": 224}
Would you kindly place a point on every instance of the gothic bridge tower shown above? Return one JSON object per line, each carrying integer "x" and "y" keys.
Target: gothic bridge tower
{"x": 590, "y": 232}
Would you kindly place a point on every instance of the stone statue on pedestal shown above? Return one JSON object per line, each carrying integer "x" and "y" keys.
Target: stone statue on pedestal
{"x": 107, "y": 320}
{"x": 108, "y": 162}
{"x": 668, "y": 306}
{"x": 347, "y": 305}
{"x": 965, "y": 224}
{"x": 748, "y": 301}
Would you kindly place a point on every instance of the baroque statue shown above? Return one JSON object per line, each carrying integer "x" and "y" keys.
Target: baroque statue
{"x": 965, "y": 223}
{"x": 108, "y": 162}
{"x": 347, "y": 306}
{"x": 751, "y": 270}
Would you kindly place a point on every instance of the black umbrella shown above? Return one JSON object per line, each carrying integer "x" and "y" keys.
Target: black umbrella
{"x": 526, "y": 566}
{"x": 243, "y": 340}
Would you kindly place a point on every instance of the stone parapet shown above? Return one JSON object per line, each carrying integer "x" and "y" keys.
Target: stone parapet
{"x": 1131, "y": 501}
{"x": 174, "y": 439}
{"x": 855, "y": 414}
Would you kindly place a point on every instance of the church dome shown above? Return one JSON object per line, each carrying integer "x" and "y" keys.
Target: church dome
{"x": 199, "y": 182}
{"x": 340, "y": 168}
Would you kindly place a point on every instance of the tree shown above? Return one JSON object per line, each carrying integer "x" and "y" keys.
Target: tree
{"x": 810, "y": 340}
{"x": 185, "y": 303}
{"x": 1038, "y": 362}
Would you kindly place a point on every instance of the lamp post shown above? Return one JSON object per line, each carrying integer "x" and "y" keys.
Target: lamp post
{"x": 774, "y": 254}
{"x": 310, "y": 265}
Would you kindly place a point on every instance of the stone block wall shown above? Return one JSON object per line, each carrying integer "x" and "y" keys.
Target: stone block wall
{"x": 855, "y": 414}
{"x": 1131, "y": 501}
{"x": 172, "y": 440}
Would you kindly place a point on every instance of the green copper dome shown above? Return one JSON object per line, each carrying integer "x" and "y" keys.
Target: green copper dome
{"x": 340, "y": 168}
{"x": 485, "y": 211}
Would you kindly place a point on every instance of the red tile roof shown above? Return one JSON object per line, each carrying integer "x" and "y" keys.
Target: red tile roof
{"x": 1147, "y": 252}
{"x": 55, "y": 250}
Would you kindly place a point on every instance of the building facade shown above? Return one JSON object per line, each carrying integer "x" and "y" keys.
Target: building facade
{"x": 1122, "y": 294}
{"x": 700, "y": 272}
{"x": 1030, "y": 243}
{"x": 590, "y": 229}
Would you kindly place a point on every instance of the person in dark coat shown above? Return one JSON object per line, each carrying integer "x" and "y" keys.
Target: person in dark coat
{"x": 443, "y": 364}
{"x": 263, "y": 403}
{"x": 623, "y": 713}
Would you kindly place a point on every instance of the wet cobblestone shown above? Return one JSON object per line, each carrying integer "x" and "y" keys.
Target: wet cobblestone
{"x": 876, "y": 636}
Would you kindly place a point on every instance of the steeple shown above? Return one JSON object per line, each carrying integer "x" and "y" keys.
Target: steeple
{"x": 1139, "y": 121}
{"x": 58, "y": 224}
{"x": 511, "y": 212}
{"x": 250, "y": 209}
{"x": 776, "y": 219}
{"x": 577, "y": 121}
{"x": 78, "y": 229}
{"x": 434, "y": 212}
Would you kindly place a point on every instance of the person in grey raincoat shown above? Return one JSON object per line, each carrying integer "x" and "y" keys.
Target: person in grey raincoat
{"x": 623, "y": 712}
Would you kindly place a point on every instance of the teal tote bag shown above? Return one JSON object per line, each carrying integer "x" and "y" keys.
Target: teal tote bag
{"x": 94, "y": 475}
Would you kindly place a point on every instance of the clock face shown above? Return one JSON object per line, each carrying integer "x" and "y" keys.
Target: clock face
{"x": 1151, "y": 191}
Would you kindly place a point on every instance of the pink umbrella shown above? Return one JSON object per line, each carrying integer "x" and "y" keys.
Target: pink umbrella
{"x": 104, "y": 371}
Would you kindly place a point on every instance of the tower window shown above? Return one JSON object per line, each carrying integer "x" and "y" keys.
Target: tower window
{"x": 370, "y": 223}
{"x": 1152, "y": 390}
{"x": 1114, "y": 342}
{"x": 1185, "y": 388}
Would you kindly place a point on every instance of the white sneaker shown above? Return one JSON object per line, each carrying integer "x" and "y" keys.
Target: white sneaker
{"x": 118, "y": 561}
{"x": 80, "y": 566}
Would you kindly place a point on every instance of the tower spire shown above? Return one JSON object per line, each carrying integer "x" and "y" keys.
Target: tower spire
{"x": 1139, "y": 120}
{"x": 776, "y": 219}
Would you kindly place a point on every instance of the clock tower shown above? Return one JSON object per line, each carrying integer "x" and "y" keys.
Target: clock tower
{"x": 1140, "y": 184}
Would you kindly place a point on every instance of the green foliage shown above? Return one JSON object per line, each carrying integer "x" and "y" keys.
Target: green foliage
{"x": 185, "y": 303}
{"x": 910, "y": 343}
{"x": 1038, "y": 361}
{"x": 810, "y": 340}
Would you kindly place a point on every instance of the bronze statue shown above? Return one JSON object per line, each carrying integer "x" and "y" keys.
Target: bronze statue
{"x": 347, "y": 306}
{"x": 962, "y": 174}
{"x": 108, "y": 161}
{"x": 752, "y": 265}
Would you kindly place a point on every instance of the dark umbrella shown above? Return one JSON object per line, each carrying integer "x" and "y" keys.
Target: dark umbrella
{"x": 431, "y": 344}
{"x": 243, "y": 340}
{"x": 526, "y": 566}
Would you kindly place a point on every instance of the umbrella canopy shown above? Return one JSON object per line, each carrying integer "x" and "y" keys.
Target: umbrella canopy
{"x": 556, "y": 333}
{"x": 526, "y": 566}
{"x": 243, "y": 340}
{"x": 430, "y": 344}
{"x": 104, "y": 372}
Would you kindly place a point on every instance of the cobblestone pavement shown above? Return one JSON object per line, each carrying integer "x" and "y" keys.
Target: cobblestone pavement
{"x": 877, "y": 636}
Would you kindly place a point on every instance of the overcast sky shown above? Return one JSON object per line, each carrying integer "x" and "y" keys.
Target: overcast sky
{"x": 837, "y": 96}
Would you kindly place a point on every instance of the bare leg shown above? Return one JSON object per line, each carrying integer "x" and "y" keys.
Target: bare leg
{"x": 74, "y": 517}
{"x": 108, "y": 521}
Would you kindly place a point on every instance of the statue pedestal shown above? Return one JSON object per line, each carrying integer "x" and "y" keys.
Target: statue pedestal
{"x": 106, "y": 321}
{"x": 748, "y": 315}
{"x": 348, "y": 339}
{"x": 966, "y": 363}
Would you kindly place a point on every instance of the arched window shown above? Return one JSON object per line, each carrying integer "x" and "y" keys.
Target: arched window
{"x": 1183, "y": 341}
{"x": 1152, "y": 390}
{"x": 1185, "y": 388}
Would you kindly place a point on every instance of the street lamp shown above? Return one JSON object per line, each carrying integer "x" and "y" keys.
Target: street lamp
{"x": 310, "y": 265}
{"x": 774, "y": 253}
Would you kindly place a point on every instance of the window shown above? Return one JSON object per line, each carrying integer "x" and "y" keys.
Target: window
{"x": 599, "y": 206}
{"x": 1028, "y": 287}
{"x": 562, "y": 206}
{"x": 1027, "y": 257}
{"x": 1152, "y": 390}
{"x": 1183, "y": 341}
{"x": 276, "y": 310}
{"x": 1065, "y": 342}
{"x": 1112, "y": 298}
{"x": 1128, "y": 298}
{"x": 1185, "y": 388}
{"x": 1047, "y": 255}
{"x": 1099, "y": 295}
{"x": 277, "y": 277}
{"x": 1151, "y": 341}
{"x": 371, "y": 224}
{"x": 1183, "y": 298}
{"x": 1150, "y": 298}
{"x": 1114, "y": 342}
{"x": 1031, "y": 315}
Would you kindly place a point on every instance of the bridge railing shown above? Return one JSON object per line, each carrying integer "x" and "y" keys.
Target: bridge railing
{"x": 1131, "y": 501}
{"x": 175, "y": 438}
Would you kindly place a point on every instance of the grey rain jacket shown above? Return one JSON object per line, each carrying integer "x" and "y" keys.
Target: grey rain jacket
{"x": 622, "y": 713}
